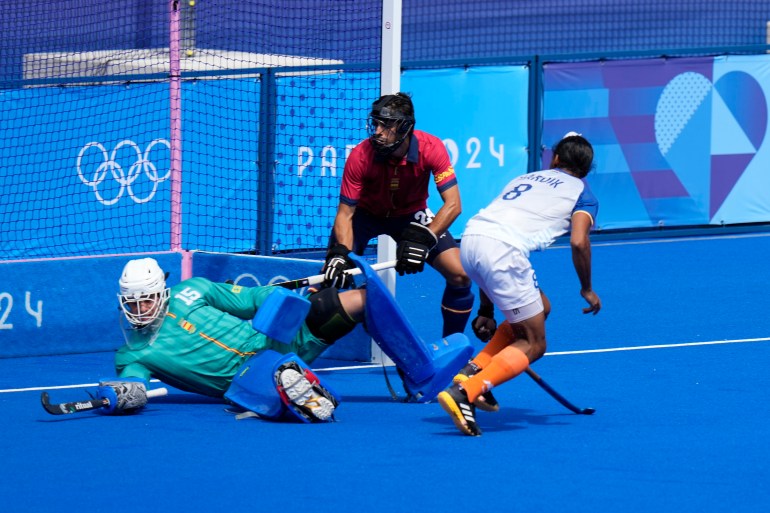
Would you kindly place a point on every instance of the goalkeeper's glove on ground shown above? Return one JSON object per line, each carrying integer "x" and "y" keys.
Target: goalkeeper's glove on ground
{"x": 124, "y": 396}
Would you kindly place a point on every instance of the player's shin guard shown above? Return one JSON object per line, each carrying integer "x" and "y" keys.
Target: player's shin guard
{"x": 425, "y": 368}
{"x": 456, "y": 307}
{"x": 274, "y": 386}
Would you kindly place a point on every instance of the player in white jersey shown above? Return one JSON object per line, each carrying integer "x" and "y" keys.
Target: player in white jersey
{"x": 530, "y": 213}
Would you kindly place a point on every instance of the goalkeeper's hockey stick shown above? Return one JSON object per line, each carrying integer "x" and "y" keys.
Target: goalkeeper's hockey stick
{"x": 319, "y": 278}
{"x": 92, "y": 404}
{"x": 556, "y": 395}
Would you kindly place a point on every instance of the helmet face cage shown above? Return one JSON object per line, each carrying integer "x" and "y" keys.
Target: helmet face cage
{"x": 388, "y": 118}
{"x": 143, "y": 293}
{"x": 141, "y": 310}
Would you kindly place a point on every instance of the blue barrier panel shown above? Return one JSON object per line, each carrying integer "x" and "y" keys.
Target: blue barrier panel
{"x": 70, "y": 306}
{"x": 65, "y": 306}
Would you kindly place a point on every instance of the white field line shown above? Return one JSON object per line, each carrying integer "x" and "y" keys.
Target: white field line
{"x": 375, "y": 366}
{"x": 608, "y": 350}
{"x": 673, "y": 240}
{"x": 661, "y": 346}
{"x": 59, "y": 387}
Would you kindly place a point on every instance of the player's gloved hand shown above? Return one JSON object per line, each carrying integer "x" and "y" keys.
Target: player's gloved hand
{"x": 413, "y": 248}
{"x": 337, "y": 262}
{"x": 484, "y": 325}
{"x": 125, "y": 396}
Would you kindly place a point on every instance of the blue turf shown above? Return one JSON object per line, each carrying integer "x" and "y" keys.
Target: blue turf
{"x": 677, "y": 429}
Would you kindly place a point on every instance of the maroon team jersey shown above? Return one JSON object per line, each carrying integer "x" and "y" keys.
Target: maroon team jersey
{"x": 385, "y": 188}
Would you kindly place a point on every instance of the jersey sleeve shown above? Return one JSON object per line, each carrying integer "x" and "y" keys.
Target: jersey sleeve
{"x": 437, "y": 159}
{"x": 352, "y": 177}
{"x": 587, "y": 203}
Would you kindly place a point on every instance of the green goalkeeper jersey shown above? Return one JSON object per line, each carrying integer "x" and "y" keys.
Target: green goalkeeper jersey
{"x": 205, "y": 336}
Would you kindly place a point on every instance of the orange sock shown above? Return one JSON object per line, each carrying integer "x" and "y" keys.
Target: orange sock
{"x": 502, "y": 338}
{"x": 505, "y": 365}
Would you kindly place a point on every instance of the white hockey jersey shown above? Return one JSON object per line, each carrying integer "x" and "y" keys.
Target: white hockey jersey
{"x": 534, "y": 209}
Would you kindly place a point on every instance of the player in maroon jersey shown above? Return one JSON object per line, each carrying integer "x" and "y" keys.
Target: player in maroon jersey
{"x": 385, "y": 191}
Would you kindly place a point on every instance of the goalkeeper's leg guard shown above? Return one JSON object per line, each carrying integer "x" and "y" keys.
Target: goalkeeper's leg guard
{"x": 425, "y": 368}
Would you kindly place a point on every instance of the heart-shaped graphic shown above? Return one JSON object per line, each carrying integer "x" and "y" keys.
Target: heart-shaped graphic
{"x": 709, "y": 134}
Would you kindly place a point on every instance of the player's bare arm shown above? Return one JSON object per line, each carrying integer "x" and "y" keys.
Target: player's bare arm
{"x": 581, "y": 258}
{"x": 448, "y": 212}
{"x": 343, "y": 225}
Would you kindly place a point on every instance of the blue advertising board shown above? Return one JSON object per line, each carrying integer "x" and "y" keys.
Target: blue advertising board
{"x": 481, "y": 115}
{"x": 220, "y": 139}
{"x": 677, "y": 141}
{"x": 319, "y": 118}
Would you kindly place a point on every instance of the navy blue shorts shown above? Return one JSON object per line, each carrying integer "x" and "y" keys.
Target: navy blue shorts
{"x": 367, "y": 227}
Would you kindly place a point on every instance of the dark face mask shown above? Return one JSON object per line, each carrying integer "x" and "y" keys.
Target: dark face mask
{"x": 387, "y": 121}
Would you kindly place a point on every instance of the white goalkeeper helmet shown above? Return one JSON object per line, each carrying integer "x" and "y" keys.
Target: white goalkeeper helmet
{"x": 143, "y": 292}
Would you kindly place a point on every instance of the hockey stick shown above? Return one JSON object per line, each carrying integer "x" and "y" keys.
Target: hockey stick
{"x": 92, "y": 404}
{"x": 319, "y": 278}
{"x": 556, "y": 395}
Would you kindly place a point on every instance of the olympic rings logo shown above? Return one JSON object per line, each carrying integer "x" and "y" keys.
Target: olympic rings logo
{"x": 245, "y": 280}
{"x": 125, "y": 180}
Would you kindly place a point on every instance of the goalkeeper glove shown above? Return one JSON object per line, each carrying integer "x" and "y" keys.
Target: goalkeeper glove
{"x": 124, "y": 396}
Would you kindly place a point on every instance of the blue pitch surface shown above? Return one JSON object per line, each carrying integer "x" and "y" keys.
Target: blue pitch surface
{"x": 675, "y": 364}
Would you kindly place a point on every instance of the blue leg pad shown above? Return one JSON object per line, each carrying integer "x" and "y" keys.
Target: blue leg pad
{"x": 450, "y": 354}
{"x": 426, "y": 370}
{"x": 281, "y": 315}
{"x": 256, "y": 387}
